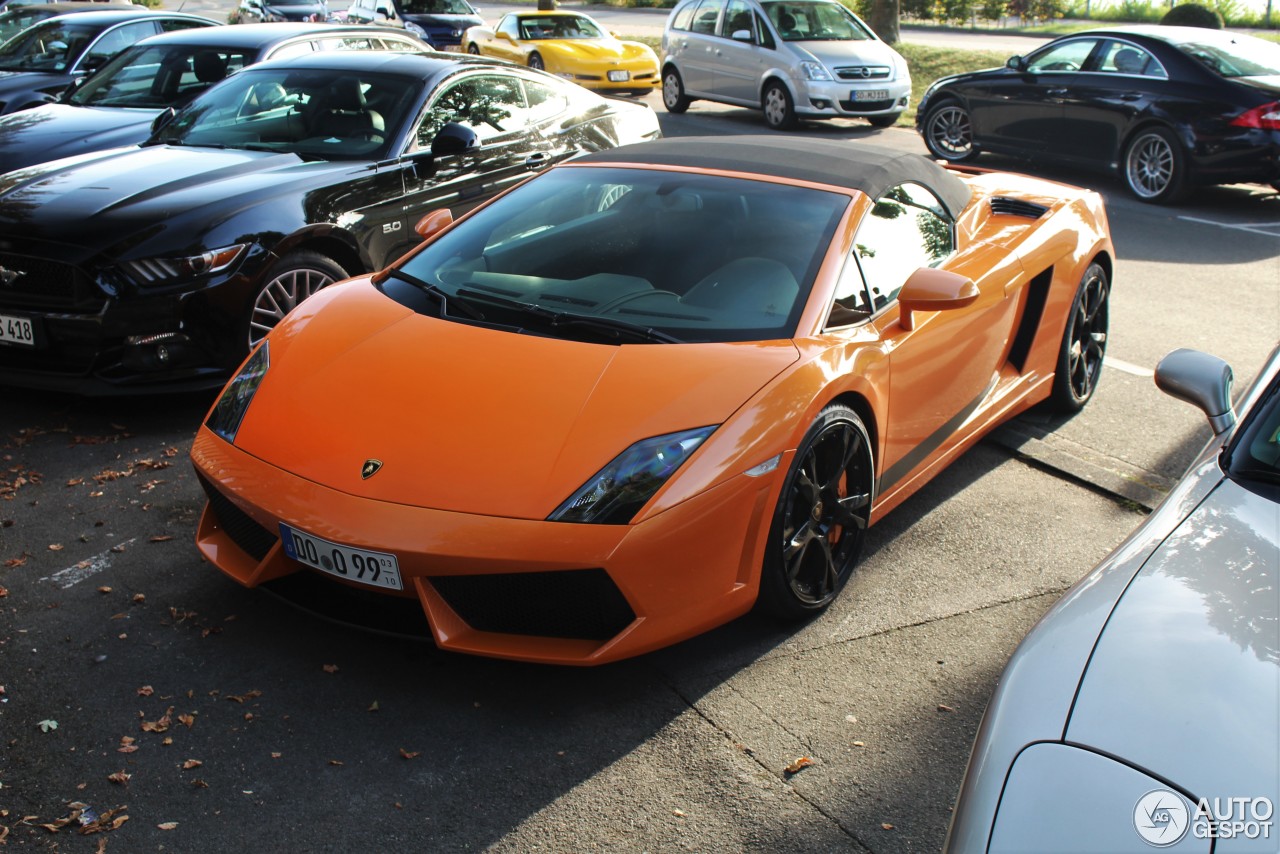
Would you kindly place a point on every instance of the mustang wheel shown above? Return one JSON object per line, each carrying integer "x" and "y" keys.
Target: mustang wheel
{"x": 1154, "y": 166}
{"x": 948, "y": 132}
{"x": 821, "y": 517}
{"x": 779, "y": 111}
{"x": 1083, "y": 343}
{"x": 673, "y": 97}
{"x": 473, "y": 49}
{"x": 294, "y": 278}
{"x": 535, "y": 61}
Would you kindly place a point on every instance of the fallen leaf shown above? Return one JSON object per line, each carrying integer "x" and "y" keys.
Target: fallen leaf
{"x": 4, "y": 591}
{"x": 373, "y": 707}
{"x": 16, "y": 561}
{"x": 859, "y": 744}
{"x": 240, "y": 698}
{"x": 146, "y": 691}
{"x": 104, "y": 589}
{"x": 168, "y": 740}
{"x": 800, "y": 764}
{"x": 55, "y": 547}
{"x": 886, "y": 826}
{"x": 191, "y": 763}
{"x": 138, "y": 598}
{"x": 159, "y": 725}
{"x": 75, "y": 481}
{"x": 127, "y": 744}
{"x": 120, "y": 777}
{"x": 410, "y": 755}
{"x": 678, "y": 813}
{"x": 47, "y": 725}
{"x": 160, "y": 538}
{"x": 187, "y": 720}
{"x": 943, "y": 708}
{"x": 167, "y": 825}
{"x": 199, "y": 784}
{"x": 276, "y": 755}
{"x": 331, "y": 668}
{"x": 336, "y": 762}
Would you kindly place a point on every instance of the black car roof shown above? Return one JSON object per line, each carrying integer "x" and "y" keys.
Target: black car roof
{"x": 109, "y": 16}
{"x": 257, "y": 35}
{"x": 839, "y": 163}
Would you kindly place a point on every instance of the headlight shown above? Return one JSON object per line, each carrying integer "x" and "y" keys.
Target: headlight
{"x": 415, "y": 29}
{"x": 164, "y": 271}
{"x": 229, "y": 411}
{"x": 618, "y": 491}
{"x": 815, "y": 71}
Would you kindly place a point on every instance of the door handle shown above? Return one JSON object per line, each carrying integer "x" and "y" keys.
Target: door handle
{"x": 537, "y": 161}
{"x": 1057, "y": 93}
{"x": 1131, "y": 96}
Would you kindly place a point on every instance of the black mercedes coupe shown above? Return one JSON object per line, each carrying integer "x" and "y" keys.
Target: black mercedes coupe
{"x": 156, "y": 267}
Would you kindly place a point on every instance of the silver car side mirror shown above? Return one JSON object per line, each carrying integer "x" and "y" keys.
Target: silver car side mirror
{"x": 1201, "y": 380}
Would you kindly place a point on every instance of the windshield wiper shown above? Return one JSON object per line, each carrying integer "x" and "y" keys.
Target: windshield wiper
{"x": 556, "y": 319}
{"x": 444, "y": 299}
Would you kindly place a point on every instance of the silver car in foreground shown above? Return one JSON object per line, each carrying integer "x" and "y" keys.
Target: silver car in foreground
{"x": 1142, "y": 711}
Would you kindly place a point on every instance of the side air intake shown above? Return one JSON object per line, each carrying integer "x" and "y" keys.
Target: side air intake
{"x": 1004, "y": 206}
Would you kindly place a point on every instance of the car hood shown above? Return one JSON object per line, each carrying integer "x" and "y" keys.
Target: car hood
{"x": 53, "y": 131}
{"x": 587, "y": 49}
{"x": 837, "y": 53}
{"x": 16, "y": 82}
{"x": 1184, "y": 679}
{"x": 476, "y": 420}
{"x": 125, "y": 191}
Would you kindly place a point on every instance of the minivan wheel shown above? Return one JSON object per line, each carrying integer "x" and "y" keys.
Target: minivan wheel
{"x": 779, "y": 110}
{"x": 673, "y": 96}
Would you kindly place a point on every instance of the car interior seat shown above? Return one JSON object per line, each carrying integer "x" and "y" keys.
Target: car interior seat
{"x": 1129, "y": 61}
{"x": 209, "y": 67}
{"x": 345, "y": 113}
{"x": 753, "y": 285}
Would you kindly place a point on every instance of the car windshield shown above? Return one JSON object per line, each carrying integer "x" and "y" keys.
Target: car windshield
{"x": 153, "y": 77}
{"x": 318, "y": 114}
{"x": 821, "y": 21}
{"x": 50, "y": 46}
{"x": 1255, "y": 453}
{"x": 15, "y": 20}
{"x": 436, "y": 7}
{"x": 558, "y": 27}
{"x": 668, "y": 255}
{"x": 1240, "y": 56}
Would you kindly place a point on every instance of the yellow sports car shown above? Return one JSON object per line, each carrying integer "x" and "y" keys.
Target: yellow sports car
{"x": 570, "y": 45}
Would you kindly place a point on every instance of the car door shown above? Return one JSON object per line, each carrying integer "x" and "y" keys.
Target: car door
{"x": 508, "y": 47}
{"x": 694, "y": 49}
{"x": 739, "y": 64}
{"x": 1022, "y": 110}
{"x": 510, "y": 113}
{"x": 1110, "y": 97}
{"x": 942, "y": 367}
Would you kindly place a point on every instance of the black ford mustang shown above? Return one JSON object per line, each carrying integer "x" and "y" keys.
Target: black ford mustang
{"x": 155, "y": 267}
{"x": 1167, "y": 108}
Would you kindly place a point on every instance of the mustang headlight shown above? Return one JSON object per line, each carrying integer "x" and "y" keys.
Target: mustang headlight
{"x": 164, "y": 271}
{"x": 815, "y": 71}
{"x": 618, "y": 491}
{"x": 227, "y": 414}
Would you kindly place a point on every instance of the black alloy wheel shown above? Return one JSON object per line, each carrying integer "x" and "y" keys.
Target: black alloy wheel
{"x": 821, "y": 518}
{"x": 948, "y": 132}
{"x": 1084, "y": 343}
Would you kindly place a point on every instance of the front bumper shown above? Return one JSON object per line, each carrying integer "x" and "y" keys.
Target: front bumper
{"x": 640, "y": 76}
{"x": 844, "y": 98}
{"x": 509, "y": 588}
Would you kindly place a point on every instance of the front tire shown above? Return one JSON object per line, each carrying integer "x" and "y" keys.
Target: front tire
{"x": 821, "y": 518}
{"x": 673, "y": 96}
{"x": 948, "y": 132}
{"x": 1084, "y": 343}
{"x": 473, "y": 49}
{"x": 779, "y": 109}
{"x": 291, "y": 280}
{"x": 1155, "y": 168}
{"x": 884, "y": 121}
{"x": 535, "y": 62}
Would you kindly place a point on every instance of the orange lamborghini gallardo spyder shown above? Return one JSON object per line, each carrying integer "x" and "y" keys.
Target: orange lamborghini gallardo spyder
{"x": 650, "y": 389}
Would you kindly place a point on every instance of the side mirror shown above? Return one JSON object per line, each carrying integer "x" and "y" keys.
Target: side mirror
{"x": 159, "y": 122}
{"x": 1016, "y": 63}
{"x": 742, "y": 36}
{"x": 505, "y": 36}
{"x": 930, "y": 289}
{"x": 434, "y": 223}
{"x": 1201, "y": 380}
{"x": 453, "y": 139}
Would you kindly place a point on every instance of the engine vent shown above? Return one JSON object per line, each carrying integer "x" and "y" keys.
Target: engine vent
{"x": 1005, "y": 206}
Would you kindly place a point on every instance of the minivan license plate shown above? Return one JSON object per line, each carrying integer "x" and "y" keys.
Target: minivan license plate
{"x": 870, "y": 95}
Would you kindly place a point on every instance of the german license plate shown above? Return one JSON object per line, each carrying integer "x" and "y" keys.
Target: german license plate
{"x": 619, "y": 76}
{"x": 870, "y": 95}
{"x": 376, "y": 569}
{"x": 16, "y": 330}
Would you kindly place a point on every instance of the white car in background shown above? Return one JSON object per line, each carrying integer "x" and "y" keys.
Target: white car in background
{"x": 792, "y": 59}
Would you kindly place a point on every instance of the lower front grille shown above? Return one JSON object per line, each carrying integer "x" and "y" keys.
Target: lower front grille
{"x": 582, "y": 604}
{"x": 253, "y": 539}
{"x": 865, "y": 106}
{"x": 30, "y": 282}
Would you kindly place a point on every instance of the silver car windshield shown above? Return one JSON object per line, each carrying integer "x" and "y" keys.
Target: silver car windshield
{"x": 796, "y": 20}
{"x": 692, "y": 257}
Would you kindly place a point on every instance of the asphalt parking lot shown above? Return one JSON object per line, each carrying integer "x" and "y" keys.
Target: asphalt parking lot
{"x": 136, "y": 680}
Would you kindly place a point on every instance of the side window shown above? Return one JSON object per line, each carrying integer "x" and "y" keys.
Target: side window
{"x": 704, "y": 20}
{"x": 853, "y": 301}
{"x": 1124, "y": 58}
{"x": 1068, "y": 56}
{"x": 291, "y": 50}
{"x": 492, "y": 104}
{"x": 766, "y": 37}
{"x": 544, "y": 101}
{"x": 173, "y": 25}
{"x": 683, "y": 16}
{"x": 906, "y": 229}
{"x": 737, "y": 16}
{"x": 113, "y": 41}
{"x": 511, "y": 26}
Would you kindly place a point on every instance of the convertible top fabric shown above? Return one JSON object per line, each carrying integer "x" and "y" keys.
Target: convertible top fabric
{"x": 840, "y": 163}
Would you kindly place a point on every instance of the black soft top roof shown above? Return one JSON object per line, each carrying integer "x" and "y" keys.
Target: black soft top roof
{"x": 840, "y": 163}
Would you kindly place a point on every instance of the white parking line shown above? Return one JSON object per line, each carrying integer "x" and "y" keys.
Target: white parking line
{"x": 1251, "y": 227}
{"x": 1128, "y": 367}
{"x": 86, "y": 568}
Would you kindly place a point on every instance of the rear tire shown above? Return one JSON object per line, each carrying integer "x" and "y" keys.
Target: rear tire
{"x": 1155, "y": 167}
{"x": 673, "y": 96}
{"x": 779, "y": 109}
{"x": 1084, "y": 343}
{"x": 821, "y": 517}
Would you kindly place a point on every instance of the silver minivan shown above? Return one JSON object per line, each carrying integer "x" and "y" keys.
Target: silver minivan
{"x": 793, "y": 59}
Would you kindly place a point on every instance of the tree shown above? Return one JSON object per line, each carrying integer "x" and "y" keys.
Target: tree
{"x": 883, "y": 18}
